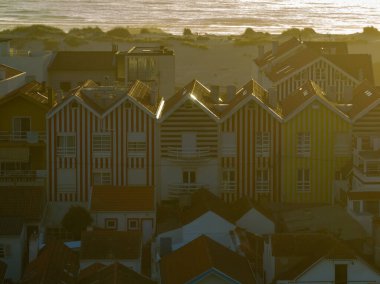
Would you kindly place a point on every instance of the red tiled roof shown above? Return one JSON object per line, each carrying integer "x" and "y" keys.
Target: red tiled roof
{"x": 283, "y": 48}
{"x": 111, "y": 245}
{"x": 32, "y": 91}
{"x": 115, "y": 273}
{"x": 119, "y": 198}
{"x": 364, "y": 195}
{"x": 56, "y": 263}
{"x": 201, "y": 256}
{"x": 9, "y": 71}
{"x": 21, "y": 202}
{"x": 364, "y": 95}
{"x": 292, "y": 64}
{"x": 83, "y": 60}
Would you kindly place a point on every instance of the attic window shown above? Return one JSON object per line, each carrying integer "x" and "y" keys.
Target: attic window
{"x": 245, "y": 92}
{"x": 305, "y": 93}
{"x": 368, "y": 93}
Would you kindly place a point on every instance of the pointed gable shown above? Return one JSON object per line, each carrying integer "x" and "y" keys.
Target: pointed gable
{"x": 365, "y": 97}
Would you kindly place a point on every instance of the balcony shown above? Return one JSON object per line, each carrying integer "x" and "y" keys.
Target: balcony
{"x": 228, "y": 151}
{"x": 177, "y": 190}
{"x": 30, "y": 137}
{"x": 22, "y": 178}
{"x": 188, "y": 154}
{"x": 228, "y": 186}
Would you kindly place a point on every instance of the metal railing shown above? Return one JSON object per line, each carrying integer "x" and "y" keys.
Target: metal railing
{"x": 228, "y": 186}
{"x": 23, "y": 136}
{"x": 22, "y": 177}
{"x": 188, "y": 153}
{"x": 179, "y": 189}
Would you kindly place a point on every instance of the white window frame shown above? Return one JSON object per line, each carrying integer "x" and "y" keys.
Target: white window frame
{"x": 102, "y": 177}
{"x": 136, "y": 144}
{"x": 102, "y": 144}
{"x": 229, "y": 179}
{"x": 67, "y": 149}
{"x": 303, "y": 144}
{"x": 113, "y": 226}
{"x": 303, "y": 180}
{"x": 189, "y": 176}
{"x": 262, "y": 180}
{"x": 263, "y": 144}
{"x": 20, "y": 134}
{"x": 133, "y": 228}
{"x": 63, "y": 184}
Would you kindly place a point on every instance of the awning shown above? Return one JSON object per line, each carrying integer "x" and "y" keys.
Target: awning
{"x": 14, "y": 154}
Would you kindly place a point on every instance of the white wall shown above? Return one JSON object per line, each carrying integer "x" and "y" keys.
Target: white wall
{"x": 255, "y": 222}
{"x": 15, "y": 244}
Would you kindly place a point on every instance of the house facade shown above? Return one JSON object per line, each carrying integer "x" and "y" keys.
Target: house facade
{"x": 100, "y": 135}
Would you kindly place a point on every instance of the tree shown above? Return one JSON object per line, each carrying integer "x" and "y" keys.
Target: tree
{"x": 370, "y": 31}
{"x": 187, "y": 32}
{"x": 76, "y": 220}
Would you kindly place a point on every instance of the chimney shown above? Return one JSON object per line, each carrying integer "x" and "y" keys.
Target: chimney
{"x": 376, "y": 239}
{"x": 274, "y": 46}
{"x": 260, "y": 49}
{"x": 115, "y": 47}
{"x": 214, "y": 93}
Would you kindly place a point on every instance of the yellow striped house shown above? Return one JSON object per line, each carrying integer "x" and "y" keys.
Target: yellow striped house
{"x": 101, "y": 135}
{"x": 315, "y": 146}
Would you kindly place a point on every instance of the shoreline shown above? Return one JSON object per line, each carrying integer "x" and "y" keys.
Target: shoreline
{"x": 212, "y": 59}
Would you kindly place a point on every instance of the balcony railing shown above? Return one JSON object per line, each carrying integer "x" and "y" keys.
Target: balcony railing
{"x": 23, "y": 136}
{"x": 228, "y": 151}
{"x": 68, "y": 151}
{"x": 180, "y": 153}
{"x": 179, "y": 189}
{"x": 262, "y": 186}
{"x": 228, "y": 186}
{"x": 22, "y": 177}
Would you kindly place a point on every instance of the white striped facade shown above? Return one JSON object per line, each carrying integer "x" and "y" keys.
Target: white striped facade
{"x": 83, "y": 122}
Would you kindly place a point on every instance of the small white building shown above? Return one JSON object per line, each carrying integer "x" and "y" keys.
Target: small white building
{"x": 124, "y": 209}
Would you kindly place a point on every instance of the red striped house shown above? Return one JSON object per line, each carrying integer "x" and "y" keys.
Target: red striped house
{"x": 101, "y": 135}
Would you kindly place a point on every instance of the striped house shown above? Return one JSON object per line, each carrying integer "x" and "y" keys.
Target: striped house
{"x": 253, "y": 168}
{"x": 289, "y": 65}
{"x": 225, "y": 142}
{"x": 101, "y": 135}
{"x": 364, "y": 194}
{"x": 315, "y": 145}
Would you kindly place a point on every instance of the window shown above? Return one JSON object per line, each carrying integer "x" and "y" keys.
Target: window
{"x": 262, "y": 180}
{"x": 228, "y": 143}
{"x": 66, "y": 145}
{"x": 303, "y": 180}
{"x": 101, "y": 144}
{"x": 303, "y": 144}
{"x": 188, "y": 177}
{"x": 133, "y": 224}
{"x": 136, "y": 144}
{"x": 229, "y": 179}
{"x": 262, "y": 144}
{"x": 21, "y": 126}
{"x": 102, "y": 177}
{"x": 66, "y": 180}
{"x": 110, "y": 223}
{"x": 2, "y": 251}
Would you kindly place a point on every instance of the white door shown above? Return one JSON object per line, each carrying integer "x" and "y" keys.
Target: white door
{"x": 189, "y": 143}
{"x": 147, "y": 229}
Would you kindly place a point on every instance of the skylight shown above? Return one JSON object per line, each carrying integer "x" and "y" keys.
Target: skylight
{"x": 368, "y": 93}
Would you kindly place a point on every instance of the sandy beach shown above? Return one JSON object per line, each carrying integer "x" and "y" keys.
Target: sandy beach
{"x": 214, "y": 60}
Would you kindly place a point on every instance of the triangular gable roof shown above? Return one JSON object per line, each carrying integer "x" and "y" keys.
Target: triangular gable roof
{"x": 94, "y": 97}
{"x": 243, "y": 205}
{"x": 202, "y": 256}
{"x": 194, "y": 91}
{"x": 251, "y": 91}
{"x": 303, "y": 97}
{"x": 365, "y": 98}
{"x": 282, "y": 49}
{"x": 32, "y": 92}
